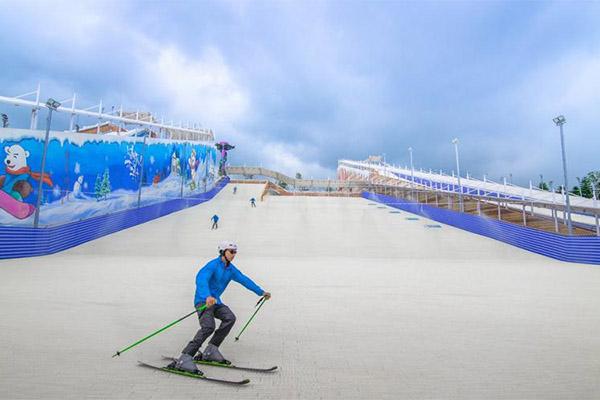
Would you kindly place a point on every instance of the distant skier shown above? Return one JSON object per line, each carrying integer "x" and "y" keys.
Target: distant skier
{"x": 234, "y": 189}
{"x": 253, "y": 202}
{"x": 215, "y": 220}
{"x": 211, "y": 282}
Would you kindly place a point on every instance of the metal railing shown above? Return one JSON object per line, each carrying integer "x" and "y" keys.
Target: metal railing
{"x": 530, "y": 213}
{"x": 169, "y": 130}
{"x": 298, "y": 184}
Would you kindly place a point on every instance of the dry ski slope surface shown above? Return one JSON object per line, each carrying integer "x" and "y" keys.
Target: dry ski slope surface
{"x": 366, "y": 304}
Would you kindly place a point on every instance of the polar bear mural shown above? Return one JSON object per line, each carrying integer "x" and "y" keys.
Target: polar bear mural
{"x": 15, "y": 186}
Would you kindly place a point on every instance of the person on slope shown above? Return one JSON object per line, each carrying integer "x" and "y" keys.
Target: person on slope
{"x": 253, "y": 202}
{"x": 211, "y": 282}
{"x": 215, "y": 220}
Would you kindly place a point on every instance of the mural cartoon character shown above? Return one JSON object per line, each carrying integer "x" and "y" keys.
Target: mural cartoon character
{"x": 77, "y": 186}
{"x": 156, "y": 179}
{"x": 175, "y": 167}
{"x": 15, "y": 184}
{"x": 224, "y": 147}
{"x": 193, "y": 163}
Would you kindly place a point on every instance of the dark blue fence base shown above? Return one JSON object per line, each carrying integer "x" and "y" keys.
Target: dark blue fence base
{"x": 18, "y": 242}
{"x": 578, "y": 249}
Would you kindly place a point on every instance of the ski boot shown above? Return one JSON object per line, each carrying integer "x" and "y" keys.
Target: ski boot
{"x": 198, "y": 357}
{"x": 212, "y": 353}
{"x": 185, "y": 362}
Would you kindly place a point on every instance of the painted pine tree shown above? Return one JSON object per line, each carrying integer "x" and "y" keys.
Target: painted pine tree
{"x": 105, "y": 185}
{"x": 98, "y": 188}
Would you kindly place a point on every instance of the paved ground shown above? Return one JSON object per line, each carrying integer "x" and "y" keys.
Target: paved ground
{"x": 366, "y": 304}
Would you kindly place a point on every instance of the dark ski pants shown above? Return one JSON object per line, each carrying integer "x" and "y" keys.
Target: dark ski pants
{"x": 214, "y": 225}
{"x": 207, "y": 327}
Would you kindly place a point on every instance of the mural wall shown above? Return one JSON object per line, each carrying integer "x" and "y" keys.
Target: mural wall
{"x": 91, "y": 175}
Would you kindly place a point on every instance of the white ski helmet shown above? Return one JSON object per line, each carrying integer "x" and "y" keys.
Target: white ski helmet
{"x": 227, "y": 245}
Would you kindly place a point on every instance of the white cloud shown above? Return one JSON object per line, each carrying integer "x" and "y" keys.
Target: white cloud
{"x": 512, "y": 130}
{"x": 285, "y": 159}
{"x": 202, "y": 89}
{"x": 572, "y": 84}
{"x": 71, "y": 26}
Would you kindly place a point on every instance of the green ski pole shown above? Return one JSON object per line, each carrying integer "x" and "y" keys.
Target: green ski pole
{"x": 261, "y": 302}
{"x": 118, "y": 353}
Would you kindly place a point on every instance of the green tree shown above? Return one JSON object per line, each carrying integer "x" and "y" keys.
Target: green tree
{"x": 298, "y": 175}
{"x": 98, "y": 188}
{"x": 105, "y": 185}
{"x": 589, "y": 182}
{"x": 543, "y": 185}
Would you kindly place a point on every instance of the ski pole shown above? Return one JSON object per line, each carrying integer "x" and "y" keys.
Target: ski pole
{"x": 261, "y": 302}
{"x": 118, "y": 353}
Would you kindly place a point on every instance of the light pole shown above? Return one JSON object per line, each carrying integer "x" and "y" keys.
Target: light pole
{"x": 412, "y": 168}
{"x": 560, "y": 121}
{"x": 460, "y": 198}
{"x": 52, "y": 106}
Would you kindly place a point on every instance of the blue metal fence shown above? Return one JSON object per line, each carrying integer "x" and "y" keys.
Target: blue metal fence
{"x": 579, "y": 249}
{"x": 26, "y": 242}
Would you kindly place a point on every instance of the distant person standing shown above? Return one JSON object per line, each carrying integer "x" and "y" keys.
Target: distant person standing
{"x": 253, "y": 202}
{"x": 215, "y": 220}
{"x": 234, "y": 189}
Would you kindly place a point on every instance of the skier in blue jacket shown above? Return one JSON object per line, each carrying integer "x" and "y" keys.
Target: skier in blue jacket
{"x": 211, "y": 282}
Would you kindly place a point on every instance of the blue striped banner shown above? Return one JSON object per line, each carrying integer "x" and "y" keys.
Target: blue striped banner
{"x": 18, "y": 242}
{"x": 578, "y": 249}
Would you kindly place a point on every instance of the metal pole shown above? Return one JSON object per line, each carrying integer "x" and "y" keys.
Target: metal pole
{"x": 564, "y": 208}
{"x": 412, "y": 168}
{"x": 35, "y": 110}
{"x": 72, "y": 120}
{"x": 36, "y": 218}
{"x": 181, "y": 165}
{"x": 595, "y": 206}
{"x": 504, "y": 180}
{"x": 460, "y": 199}
{"x": 139, "y": 199}
{"x": 99, "y": 117}
{"x": 564, "y": 160}
{"x": 499, "y": 212}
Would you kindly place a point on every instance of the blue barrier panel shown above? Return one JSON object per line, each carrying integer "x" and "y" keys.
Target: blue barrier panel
{"x": 579, "y": 249}
{"x": 26, "y": 242}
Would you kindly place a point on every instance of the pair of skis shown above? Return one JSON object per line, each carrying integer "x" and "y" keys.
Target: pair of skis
{"x": 202, "y": 376}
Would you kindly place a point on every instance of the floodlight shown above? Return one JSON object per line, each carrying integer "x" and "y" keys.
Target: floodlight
{"x": 560, "y": 121}
{"x": 52, "y": 104}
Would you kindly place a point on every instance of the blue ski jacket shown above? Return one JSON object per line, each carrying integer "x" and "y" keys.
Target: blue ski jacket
{"x": 213, "y": 278}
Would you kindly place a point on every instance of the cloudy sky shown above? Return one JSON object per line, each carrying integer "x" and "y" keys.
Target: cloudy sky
{"x": 297, "y": 85}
